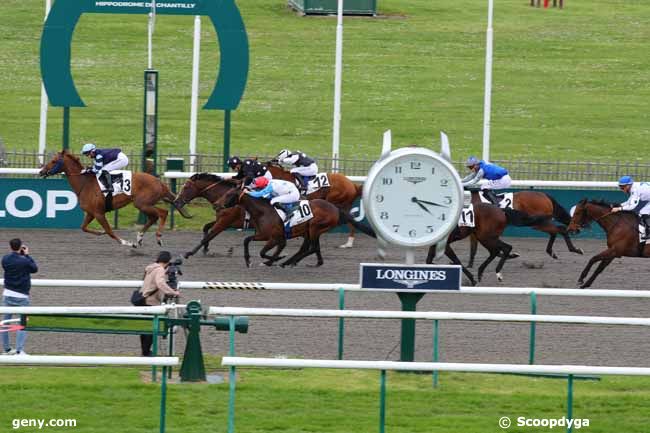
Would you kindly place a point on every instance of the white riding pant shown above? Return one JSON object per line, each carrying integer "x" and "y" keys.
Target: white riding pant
{"x": 502, "y": 183}
{"x": 310, "y": 170}
{"x": 121, "y": 162}
{"x": 268, "y": 175}
{"x": 290, "y": 197}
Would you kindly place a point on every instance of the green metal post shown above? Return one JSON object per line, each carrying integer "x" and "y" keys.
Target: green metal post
{"x": 171, "y": 207}
{"x": 231, "y": 377}
{"x": 382, "y": 401}
{"x": 341, "y": 322}
{"x": 163, "y": 399}
{"x": 409, "y": 303}
{"x": 226, "y": 139}
{"x": 193, "y": 366}
{"x": 66, "y": 127}
{"x": 170, "y": 343}
{"x": 154, "y": 350}
{"x": 436, "y": 343}
{"x": 569, "y": 403}
{"x": 533, "y": 310}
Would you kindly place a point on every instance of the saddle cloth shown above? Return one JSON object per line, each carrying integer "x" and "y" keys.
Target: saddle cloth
{"x": 467, "y": 217}
{"x": 321, "y": 180}
{"x": 506, "y": 199}
{"x": 301, "y": 213}
{"x": 121, "y": 180}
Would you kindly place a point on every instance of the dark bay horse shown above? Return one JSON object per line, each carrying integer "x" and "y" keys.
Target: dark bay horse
{"x": 211, "y": 187}
{"x": 489, "y": 223}
{"x": 269, "y": 227}
{"x": 147, "y": 190}
{"x": 537, "y": 204}
{"x": 342, "y": 192}
{"x": 622, "y": 235}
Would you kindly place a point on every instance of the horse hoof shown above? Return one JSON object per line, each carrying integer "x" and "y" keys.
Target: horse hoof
{"x": 579, "y": 251}
{"x": 345, "y": 246}
{"x": 248, "y": 264}
{"x": 499, "y": 276}
{"x": 160, "y": 242}
{"x": 554, "y": 256}
{"x": 187, "y": 255}
{"x": 513, "y": 255}
{"x": 229, "y": 252}
{"x": 315, "y": 266}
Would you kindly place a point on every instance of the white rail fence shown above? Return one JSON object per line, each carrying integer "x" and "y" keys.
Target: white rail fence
{"x": 160, "y": 361}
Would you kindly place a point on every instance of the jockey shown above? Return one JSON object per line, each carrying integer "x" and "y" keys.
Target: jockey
{"x": 283, "y": 194}
{"x": 106, "y": 160}
{"x": 639, "y": 200}
{"x": 305, "y": 167}
{"x": 235, "y": 164}
{"x": 496, "y": 176}
{"x": 248, "y": 168}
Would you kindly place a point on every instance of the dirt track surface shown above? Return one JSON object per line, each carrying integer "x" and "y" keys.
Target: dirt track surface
{"x": 71, "y": 254}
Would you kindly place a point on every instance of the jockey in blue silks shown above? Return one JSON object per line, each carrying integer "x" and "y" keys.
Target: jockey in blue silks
{"x": 105, "y": 160}
{"x": 283, "y": 194}
{"x": 639, "y": 200}
{"x": 497, "y": 177}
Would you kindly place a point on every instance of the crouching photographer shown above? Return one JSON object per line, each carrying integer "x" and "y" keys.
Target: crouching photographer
{"x": 156, "y": 289}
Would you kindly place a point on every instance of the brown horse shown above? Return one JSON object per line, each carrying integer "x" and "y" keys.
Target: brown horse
{"x": 540, "y": 204}
{"x": 342, "y": 192}
{"x": 270, "y": 228}
{"x": 146, "y": 191}
{"x": 622, "y": 235}
{"x": 211, "y": 188}
{"x": 489, "y": 223}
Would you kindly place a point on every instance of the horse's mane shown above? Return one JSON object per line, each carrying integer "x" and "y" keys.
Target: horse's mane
{"x": 71, "y": 155}
{"x": 213, "y": 178}
{"x": 601, "y": 202}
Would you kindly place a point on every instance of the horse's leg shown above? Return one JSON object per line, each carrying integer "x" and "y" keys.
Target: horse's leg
{"x": 319, "y": 256}
{"x": 247, "y": 254}
{"x": 493, "y": 248}
{"x": 152, "y": 216}
{"x": 569, "y": 243}
{"x": 473, "y": 246}
{"x": 505, "y": 249}
{"x": 101, "y": 218}
{"x": 431, "y": 254}
{"x": 451, "y": 254}
{"x": 206, "y": 230}
{"x": 350, "y": 242}
{"x": 603, "y": 264}
{"x": 88, "y": 218}
{"x": 162, "y": 219}
{"x": 310, "y": 248}
{"x": 281, "y": 243}
{"x": 291, "y": 260}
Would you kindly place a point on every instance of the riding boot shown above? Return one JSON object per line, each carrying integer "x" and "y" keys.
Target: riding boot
{"x": 645, "y": 220}
{"x": 106, "y": 178}
{"x": 301, "y": 183}
{"x": 491, "y": 196}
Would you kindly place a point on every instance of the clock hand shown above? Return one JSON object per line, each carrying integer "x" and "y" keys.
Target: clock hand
{"x": 427, "y": 202}
{"x": 416, "y": 201}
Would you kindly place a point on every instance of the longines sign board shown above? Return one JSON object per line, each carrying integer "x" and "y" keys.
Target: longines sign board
{"x": 416, "y": 278}
{"x": 38, "y": 203}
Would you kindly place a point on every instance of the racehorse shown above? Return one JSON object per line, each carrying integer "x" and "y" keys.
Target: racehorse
{"x": 270, "y": 228}
{"x": 341, "y": 193}
{"x": 489, "y": 223}
{"x": 536, "y": 203}
{"x": 211, "y": 187}
{"x": 146, "y": 191}
{"x": 622, "y": 235}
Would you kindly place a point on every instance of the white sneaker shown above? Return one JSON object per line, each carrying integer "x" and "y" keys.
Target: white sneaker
{"x": 9, "y": 352}
{"x": 22, "y": 353}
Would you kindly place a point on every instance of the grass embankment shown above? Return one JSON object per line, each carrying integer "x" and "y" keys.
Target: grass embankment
{"x": 116, "y": 400}
{"x": 569, "y": 84}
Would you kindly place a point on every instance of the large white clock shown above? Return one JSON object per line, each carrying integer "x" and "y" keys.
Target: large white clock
{"x": 413, "y": 197}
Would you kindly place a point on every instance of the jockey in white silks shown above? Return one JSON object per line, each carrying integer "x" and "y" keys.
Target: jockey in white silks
{"x": 639, "y": 200}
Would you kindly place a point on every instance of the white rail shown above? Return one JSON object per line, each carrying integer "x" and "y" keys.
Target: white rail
{"x": 162, "y": 361}
{"x": 87, "y": 310}
{"x": 236, "y": 361}
{"x": 429, "y": 315}
{"x": 241, "y": 285}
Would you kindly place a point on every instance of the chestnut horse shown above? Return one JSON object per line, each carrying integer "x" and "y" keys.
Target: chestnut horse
{"x": 342, "y": 192}
{"x": 211, "y": 187}
{"x": 489, "y": 223}
{"x": 270, "y": 228}
{"x": 146, "y": 191}
{"x": 622, "y": 229}
{"x": 535, "y": 203}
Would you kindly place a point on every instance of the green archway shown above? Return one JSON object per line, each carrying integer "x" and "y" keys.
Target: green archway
{"x": 63, "y": 17}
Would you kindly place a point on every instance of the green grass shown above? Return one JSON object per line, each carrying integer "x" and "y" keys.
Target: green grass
{"x": 116, "y": 400}
{"x": 569, "y": 84}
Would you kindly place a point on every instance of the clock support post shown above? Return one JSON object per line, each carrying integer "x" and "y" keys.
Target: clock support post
{"x": 409, "y": 303}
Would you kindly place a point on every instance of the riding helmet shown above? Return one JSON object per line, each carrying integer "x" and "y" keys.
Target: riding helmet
{"x": 234, "y": 161}
{"x": 87, "y": 148}
{"x": 284, "y": 153}
{"x": 471, "y": 161}
{"x": 260, "y": 182}
{"x": 625, "y": 180}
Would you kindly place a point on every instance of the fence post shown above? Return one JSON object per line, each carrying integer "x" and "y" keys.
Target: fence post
{"x": 569, "y": 403}
{"x": 436, "y": 336}
{"x": 231, "y": 377}
{"x": 382, "y": 401}
{"x": 341, "y": 322}
{"x": 163, "y": 399}
{"x": 154, "y": 350}
{"x": 533, "y": 310}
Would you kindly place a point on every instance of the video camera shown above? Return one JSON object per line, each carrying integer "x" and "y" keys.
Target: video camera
{"x": 172, "y": 272}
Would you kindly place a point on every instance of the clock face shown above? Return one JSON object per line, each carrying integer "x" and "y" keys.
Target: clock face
{"x": 414, "y": 197}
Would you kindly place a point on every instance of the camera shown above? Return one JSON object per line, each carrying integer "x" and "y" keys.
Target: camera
{"x": 174, "y": 269}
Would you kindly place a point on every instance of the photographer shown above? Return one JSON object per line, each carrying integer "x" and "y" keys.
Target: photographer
{"x": 155, "y": 289}
{"x": 18, "y": 267}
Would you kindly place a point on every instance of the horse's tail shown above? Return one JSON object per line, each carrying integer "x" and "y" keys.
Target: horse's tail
{"x": 169, "y": 197}
{"x": 559, "y": 213}
{"x": 359, "y": 189}
{"x": 345, "y": 218}
{"x": 521, "y": 219}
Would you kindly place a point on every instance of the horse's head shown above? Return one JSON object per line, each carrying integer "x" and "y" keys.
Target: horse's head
{"x": 193, "y": 188}
{"x": 53, "y": 167}
{"x": 585, "y": 212}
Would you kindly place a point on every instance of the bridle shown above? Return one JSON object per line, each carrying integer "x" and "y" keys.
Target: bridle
{"x": 182, "y": 202}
